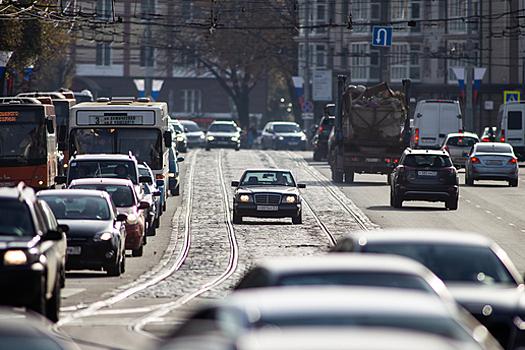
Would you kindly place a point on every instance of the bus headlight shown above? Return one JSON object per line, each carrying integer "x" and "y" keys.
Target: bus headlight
{"x": 203, "y": 137}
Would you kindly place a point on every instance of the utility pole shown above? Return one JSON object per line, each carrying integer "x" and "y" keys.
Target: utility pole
{"x": 148, "y": 81}
{"x": 306, "y": 71}
{"x": 469, "y": 115}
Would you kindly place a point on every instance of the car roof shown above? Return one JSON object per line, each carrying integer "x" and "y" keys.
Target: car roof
{"x": 73, "y": 192}
{"x": 224, "y": 122}
{"x": 20, "y": 191}
{"x": 337, "y": 300}
{"x": 81, "y": 157}
{"x": 283, "y": 122}
{"x": 344, "y": 262}
{"x": 460, "y": 134}
{"x": 268, "y": 169}
{"x": 103, "y": 181}
{"x": 434, "y": 152}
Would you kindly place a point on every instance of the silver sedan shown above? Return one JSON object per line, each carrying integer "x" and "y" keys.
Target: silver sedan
{"x": 492, "y": 161}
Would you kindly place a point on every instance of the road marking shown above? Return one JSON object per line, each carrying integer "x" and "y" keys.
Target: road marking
{"x": 67, "y": 292}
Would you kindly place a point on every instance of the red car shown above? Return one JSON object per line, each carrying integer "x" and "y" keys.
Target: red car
{"x": 127, "y": 202}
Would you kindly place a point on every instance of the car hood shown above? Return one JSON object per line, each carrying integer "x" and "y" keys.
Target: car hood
{"x": 86, "y": 228}
{"x": 503, "y": 299}
{"x": 289, "y": 134}
{"x": 266, "y": 189}
{"x": 222, "y": 133}
{"x": 16, "y": 242}
{"x": 194, "y": 133}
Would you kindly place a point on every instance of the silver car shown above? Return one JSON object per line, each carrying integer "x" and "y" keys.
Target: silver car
{"x": 492, "y": 161}
{"x": 458, "y": 145}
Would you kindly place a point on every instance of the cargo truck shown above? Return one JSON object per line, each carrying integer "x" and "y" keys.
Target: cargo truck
{"x": 371, "y": 130}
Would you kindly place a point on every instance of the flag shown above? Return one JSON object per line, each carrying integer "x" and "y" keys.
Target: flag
{"x": 478, "y": 77}
{"x": 460, "y": 75}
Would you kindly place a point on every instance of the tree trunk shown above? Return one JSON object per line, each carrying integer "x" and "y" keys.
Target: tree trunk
{"x": 242, "y": 102}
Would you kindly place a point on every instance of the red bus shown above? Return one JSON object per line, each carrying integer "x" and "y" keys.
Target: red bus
{"x": 28, "y": 145}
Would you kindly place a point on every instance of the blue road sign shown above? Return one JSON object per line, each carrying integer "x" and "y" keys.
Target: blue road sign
{"x": 307, "y": 106}
{"x": 510, "y": 96}
{"x": 382, "y": 36}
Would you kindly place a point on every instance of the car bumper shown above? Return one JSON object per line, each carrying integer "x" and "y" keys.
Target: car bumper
{"x": 254, "y": 210}
{"x": 93, "y": 256}
{"x": 504, "y": 173}
{"x": 196, "y": 142}
{"x": 289, "y": 144}
{"x": 223, "y": 144}
{"x": 173, "y": 182}
{"x": 20, "y": 285}
{"x": 427, "y": 193}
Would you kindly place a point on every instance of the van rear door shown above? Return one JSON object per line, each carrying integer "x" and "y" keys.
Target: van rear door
{"x": 450, "y": 120}
{"x": 514, "y": 133}
{"x": 428, "y": 125}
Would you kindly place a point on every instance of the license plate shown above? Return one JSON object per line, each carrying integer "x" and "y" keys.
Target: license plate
{"x": 372, "y": 160}
{"x": 267, "y": 207}
{"x": 493, "y": 162}
{"x": 222, "y": 142}
{"x": 293, "y": 143}
{"x": 7, "y": 184}
{"x": 74, "y": 250}
{"x": 427, "y": 173}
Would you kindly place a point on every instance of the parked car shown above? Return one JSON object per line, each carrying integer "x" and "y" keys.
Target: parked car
{"x": 424, "y": 175}
{"x": 174, "y": 179}
{"x": 152, "y": 195}
{"x": 223, "y": 134}
{"x": 127, "y": 202}
{"x": 179, "y": 136}
{"x": 283, "y": 135}
{"x": 489, "y": 134}
{"x": 33, "y": 250}
{"x": 476, "y": 270}
{"x": 320, "y": 139}
{"x": 354, "y": 308}
{"x": 196, "y": 137}
{"x": 271, "y": 193}
{"x": 458, "y": 145}
{"x": 97, "y": 234}
{"x": 374, "y": 270}
{"x": 492, "y": 161}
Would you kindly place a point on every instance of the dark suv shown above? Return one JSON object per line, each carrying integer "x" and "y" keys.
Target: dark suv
{"x": 33, "y": 252}
{"x": 320, "y": 139}
{"x": 424, "y": 175}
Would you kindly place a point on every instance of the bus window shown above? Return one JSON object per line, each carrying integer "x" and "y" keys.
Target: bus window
{"x": 145, "y": 144}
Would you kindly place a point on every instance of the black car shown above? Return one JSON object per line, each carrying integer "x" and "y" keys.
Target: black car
{"x": 270, "y": 193}
{"x": 424, "y": 175}
{"x": 33, "y": 251}
{"x": 477, "y": 272}
{"x": 152, "y": 195}
{"x": 320, "y": 139}
{"x": 97, "y": 234}
{"x": 223, "y": 134}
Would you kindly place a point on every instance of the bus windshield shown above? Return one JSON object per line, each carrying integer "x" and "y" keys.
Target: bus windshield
{"x": 22, "y": 142}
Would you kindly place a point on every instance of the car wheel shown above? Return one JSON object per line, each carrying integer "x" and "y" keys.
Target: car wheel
{"x": 296, "y": 220}
{"x": 152, "y": 229}
{"x": 349, "y": 176}
{"x": 392, "y": 201}
{"x": 123, "y": 263}
{"x": 317, "y": 156}
{"x": 53, "y": 304}
{"x": 115, "y": 270}
{"x": 157, "y": 222}
{"x": 138, "y": 252}
{"x": 468, "y": 180}
{"x": 452, "y": 204}
{"x": 164, "y": 205}
{"x": 337, "y": 176}
{"x": 237, "y": 219}
{"x": 513, "y": 183}
{"x": 398, "y": 201}
{"x": 207, "y": 148}
{"x": 39, "y": 304}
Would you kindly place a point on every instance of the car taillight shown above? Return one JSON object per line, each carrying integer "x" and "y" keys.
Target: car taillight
{"x": 403, "y": 168}
{"x": 450, "y": 170}
{"x": 512, "y": 161}
{"x": 502, "y": 135}
{"x": 475, "y": 160}
{"x": 320, "y": 128}
{"x": 485, "y": 139}
{"x": 447, "y": 149}
{"x": 416, "y": 136}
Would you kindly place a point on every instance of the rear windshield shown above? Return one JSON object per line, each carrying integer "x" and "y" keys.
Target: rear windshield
{"x": 107, "y": 169}
{"x": 78, "y": 208}
{"x": 494, "y": 149}
{"x": 433, "y": 161}
{"x": 122, "y": 195}
{"x": 461, "y": 141}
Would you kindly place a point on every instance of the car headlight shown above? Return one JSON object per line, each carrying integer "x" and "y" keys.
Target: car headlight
{"x": 15, "y": 257}
{"x": 245, "y": 198}
{"x": 211, "y": 138}
{"x": 202, "y": 136}
{"x": 303, "y": 138}
{"x": 105, "y": 236}
{"x": 180, "y": 138}
{"x": 290, "y": 199}
{"x": 171, "y": 174}
{"x": 132, "y": 218}
{"x": 235, "y": 138}
{"x": 281, "y": 138}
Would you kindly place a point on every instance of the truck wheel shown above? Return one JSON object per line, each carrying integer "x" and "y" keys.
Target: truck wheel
{"x": 139, "y": 251}
{"x": 349, "y": 176}
{"x": 337, "y": 176}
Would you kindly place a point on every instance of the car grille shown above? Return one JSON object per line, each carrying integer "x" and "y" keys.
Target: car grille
{"x": 267, "y": 198}
{"x": 222, "y": 138}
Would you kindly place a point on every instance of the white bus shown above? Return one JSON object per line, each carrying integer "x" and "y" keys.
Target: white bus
{"x": 122, "y": 125}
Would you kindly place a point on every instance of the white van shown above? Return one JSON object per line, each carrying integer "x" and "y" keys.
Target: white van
{"x": 433, "y": 120}
{"x": 511, "y": 126}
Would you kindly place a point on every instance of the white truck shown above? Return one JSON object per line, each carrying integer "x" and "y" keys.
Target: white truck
{"x": 433, "y": 120}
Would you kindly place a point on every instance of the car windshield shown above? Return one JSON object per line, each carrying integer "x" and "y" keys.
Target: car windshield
{"x": 265, "y": 178}
{"x": 378, "y": 279}
{"x": 452, "y": 262}
{"x": 494, "y": 148}
{"x": 78, "y": 207}
{"x": 461, "y": 141}
{"x": 286, "y": 128}
{"x": 446, "y": 327}
{"x": 122, "y": 195}
{"x": 433, "y": 161}
{"x": 191, "y": 127}
{"x": 107, "y": 169}
{"x": 223, "y": 128}
{"x": 15, "y": 219}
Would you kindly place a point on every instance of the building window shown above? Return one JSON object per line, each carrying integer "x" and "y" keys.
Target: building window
{"x": 458, "y": 52}
{"x": 320, "y": 54}
{"x": 399, "y": 61}
{"x": 405, "y": 11}
{"x": 147, "y": 56}
{"x": 364, "y": 63}
{"x": 415, "y": 68}
{"x": 457, "y": 12}
{"x": 105, "y": 9}
{"x": 103, "y": 55}
{"x": 148, "y": 9}
{"x": 364, "y": 12}
{"x": 189, "y": 57}
{"x": 191, "y": 101}
{"x": 187, "y": 11}
{"x": 344, "y": 58}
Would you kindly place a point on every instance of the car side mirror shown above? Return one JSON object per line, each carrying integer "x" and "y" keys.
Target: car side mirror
{"x": 145, "y": 179}
{"x": 180, "y": 159}
{"x": 53, "y": 235}
{"x": 160, "y": 182}
{"x": 122, "y": 217}
{"x": 62, "y": 133}
{"x": 301, "y": 185}
{"x": 143, "y": 205}
{"x": 50, "y": 126}
{"x": 235, "y": 183}
{"x": 156, "y": 193}
{"x": 168, "y": 139}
